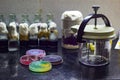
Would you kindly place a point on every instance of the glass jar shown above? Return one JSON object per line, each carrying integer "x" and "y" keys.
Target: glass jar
{"x": 96, "y": 40}
{"x": 71, "y": 21}
{"x": 95, "y": 52}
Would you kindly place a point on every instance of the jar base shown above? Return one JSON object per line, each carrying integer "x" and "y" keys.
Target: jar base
{"x": 94, "y": 60}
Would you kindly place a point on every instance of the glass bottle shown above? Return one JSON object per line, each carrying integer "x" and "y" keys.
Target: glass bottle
{"x": 53, "y": 32}
{"x": 13, "y": 18}
{"x": 2, "y": 18}
{"x": 24, "y": 30}
{"x": 25, "y": 19}
{"x": 49, "y": 18}
{"x": 3, "y": 28}
{"x": 3, "y": 34}
{"x": 33, "y": 31}
{"x": 37, "y": 18}
{"x": 13, "y": 42}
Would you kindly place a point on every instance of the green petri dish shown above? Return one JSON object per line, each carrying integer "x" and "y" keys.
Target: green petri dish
{"x": 40, "y": 66}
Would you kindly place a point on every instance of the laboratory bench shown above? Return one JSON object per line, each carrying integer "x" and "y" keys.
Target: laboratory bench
{"x": 70, "y": 69}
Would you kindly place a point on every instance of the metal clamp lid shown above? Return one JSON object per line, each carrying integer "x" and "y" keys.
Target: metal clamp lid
{"x": 87, "y": 19}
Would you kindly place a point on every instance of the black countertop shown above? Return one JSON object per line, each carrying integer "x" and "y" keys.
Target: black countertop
{"x": 11, "y": 69}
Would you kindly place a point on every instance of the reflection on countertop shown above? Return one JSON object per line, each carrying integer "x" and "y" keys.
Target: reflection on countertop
{"x": 70, "y": 69}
